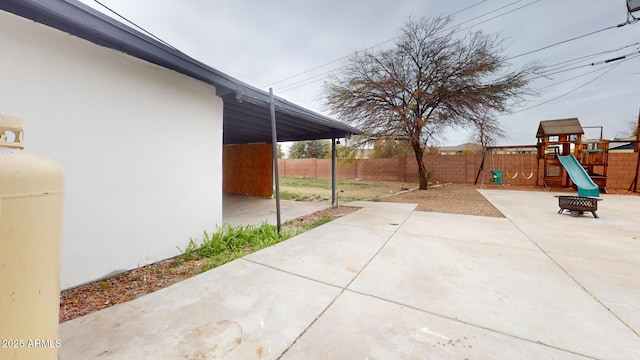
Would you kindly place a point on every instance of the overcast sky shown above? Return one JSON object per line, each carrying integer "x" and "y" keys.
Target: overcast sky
{"x": 291, "y": 45}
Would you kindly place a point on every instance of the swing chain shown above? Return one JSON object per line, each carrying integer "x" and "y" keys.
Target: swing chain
{"x": 522, "y": 167}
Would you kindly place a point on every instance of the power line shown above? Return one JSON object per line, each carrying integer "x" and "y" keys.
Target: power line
{"x": 552, "y": 69}
{"x": 572, "y": 90}
{"x": 570, "y": 62}
{"x": 526, "y": 53}
{"x": 319, "y": 77}
{"x": 555, "y": 71}
{"x": 468, "y": 7}
{"x": 591, "y": 64}
{"x": 307, "y": 81}
{"x": 288, "y": 87}
{"x": 396, "y": 37}
{"x": 489, "y": 13}
{"x": 497, "y": 16}
{"x": 370, "y": 47}
{"x": 566, "y": 41}
{"x": 575, "y": 77}
{"x": 134, "y": 24}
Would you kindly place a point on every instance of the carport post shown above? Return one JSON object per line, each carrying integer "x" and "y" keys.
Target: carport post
{"x": 334, "y": 192}
{"x": 274, "y": 150}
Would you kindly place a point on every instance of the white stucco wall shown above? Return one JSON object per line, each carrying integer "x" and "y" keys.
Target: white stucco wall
{"x": 141, "y": 146}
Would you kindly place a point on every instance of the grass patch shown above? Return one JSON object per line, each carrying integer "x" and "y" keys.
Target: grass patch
{"x": 307, "y": 183}
{"x": 285, "y": 195}
{"x": 229, "y": 243}
{"x": 304, "y": 189}
{"x": 325, "y": 184}
{"x": 319, "y": 222}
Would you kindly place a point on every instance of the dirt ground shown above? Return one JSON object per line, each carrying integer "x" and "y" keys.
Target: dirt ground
{"x": 446, "y": 198}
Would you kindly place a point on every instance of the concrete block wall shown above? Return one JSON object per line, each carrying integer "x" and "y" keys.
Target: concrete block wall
{"x": 378, "y": 169}
{"x": 445, "y": 168}
{"x": 305, "y": 168}
{"x": 450, "y": 168}
{"x": 621, "y": 170}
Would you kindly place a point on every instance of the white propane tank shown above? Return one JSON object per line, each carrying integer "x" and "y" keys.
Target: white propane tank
{"x": 31, "y": 195}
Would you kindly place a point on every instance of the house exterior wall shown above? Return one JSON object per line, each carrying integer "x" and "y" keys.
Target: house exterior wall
{"x": 141, "y": 146}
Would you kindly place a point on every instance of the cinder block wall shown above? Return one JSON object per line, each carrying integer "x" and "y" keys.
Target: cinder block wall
{"x": 378, "y": 169}
{"x": 621, "y": 170}
{"x": 518, "y": 169}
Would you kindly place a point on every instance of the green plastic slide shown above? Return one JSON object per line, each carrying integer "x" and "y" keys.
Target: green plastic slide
{"x": 579, "y": 176}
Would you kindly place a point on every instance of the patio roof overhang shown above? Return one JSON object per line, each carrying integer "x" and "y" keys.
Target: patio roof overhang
{"x": 246, "y": 117}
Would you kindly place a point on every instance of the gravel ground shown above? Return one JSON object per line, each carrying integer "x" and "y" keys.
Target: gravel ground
{"x": 449, "y": 198}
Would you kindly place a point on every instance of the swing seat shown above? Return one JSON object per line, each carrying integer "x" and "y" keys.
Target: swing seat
{"x": 496, "y": 177}
{"x": 512, "y": 176}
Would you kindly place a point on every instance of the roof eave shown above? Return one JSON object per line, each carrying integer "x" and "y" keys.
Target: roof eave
{"x": 80, "y": 20}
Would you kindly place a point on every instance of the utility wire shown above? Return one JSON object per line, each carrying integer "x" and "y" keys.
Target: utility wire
{"x": 552, "y": 69}
{"x": 394, "y": 38}
{"x": 572, "y": 90}
{"x": 497, "y": 16}
{"x": 468, "y": 7}
{"x": 591, "y": 64}
{"x": 566, "y": 41}
{"x": 574, "y": 77}
{"x": 526, "y": 53}
{"x": 319, "y": 77}
{"x": 288, "y": 87}
{"x": 308, "y": 80}
{"x": 562, "y": 64}
{"x": 134, "y": 24}
{"x": 370, "y": 47}
{"x": 304, "y": 82}
{"x": 522, "y": 54}
{"x": 489, "y": 13}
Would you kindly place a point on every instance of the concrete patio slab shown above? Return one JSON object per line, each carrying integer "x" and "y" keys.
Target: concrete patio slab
{"x": 334, "y": 253}
{"x": 602, "y": 255}
{"x": 490, "y": 230}
{"x": 248, "y": 210}
{"x": 516, "y": 292}
{"x": 364, "y": 327}
{"x": 240, "y": 310}
{"x": 617, "y": 287}
{"x": 388, "y": 282}
{"x": 378, "y": 215}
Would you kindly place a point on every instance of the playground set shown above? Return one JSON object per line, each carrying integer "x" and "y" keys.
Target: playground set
{"x": 565, "y": 158}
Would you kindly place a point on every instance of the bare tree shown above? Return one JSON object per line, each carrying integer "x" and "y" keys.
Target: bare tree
{"x": 486, "y": 130}
{"x": 430, "y": 80}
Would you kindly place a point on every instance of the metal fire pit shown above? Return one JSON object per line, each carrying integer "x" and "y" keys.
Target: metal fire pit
{"x": 578, "y": 204}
